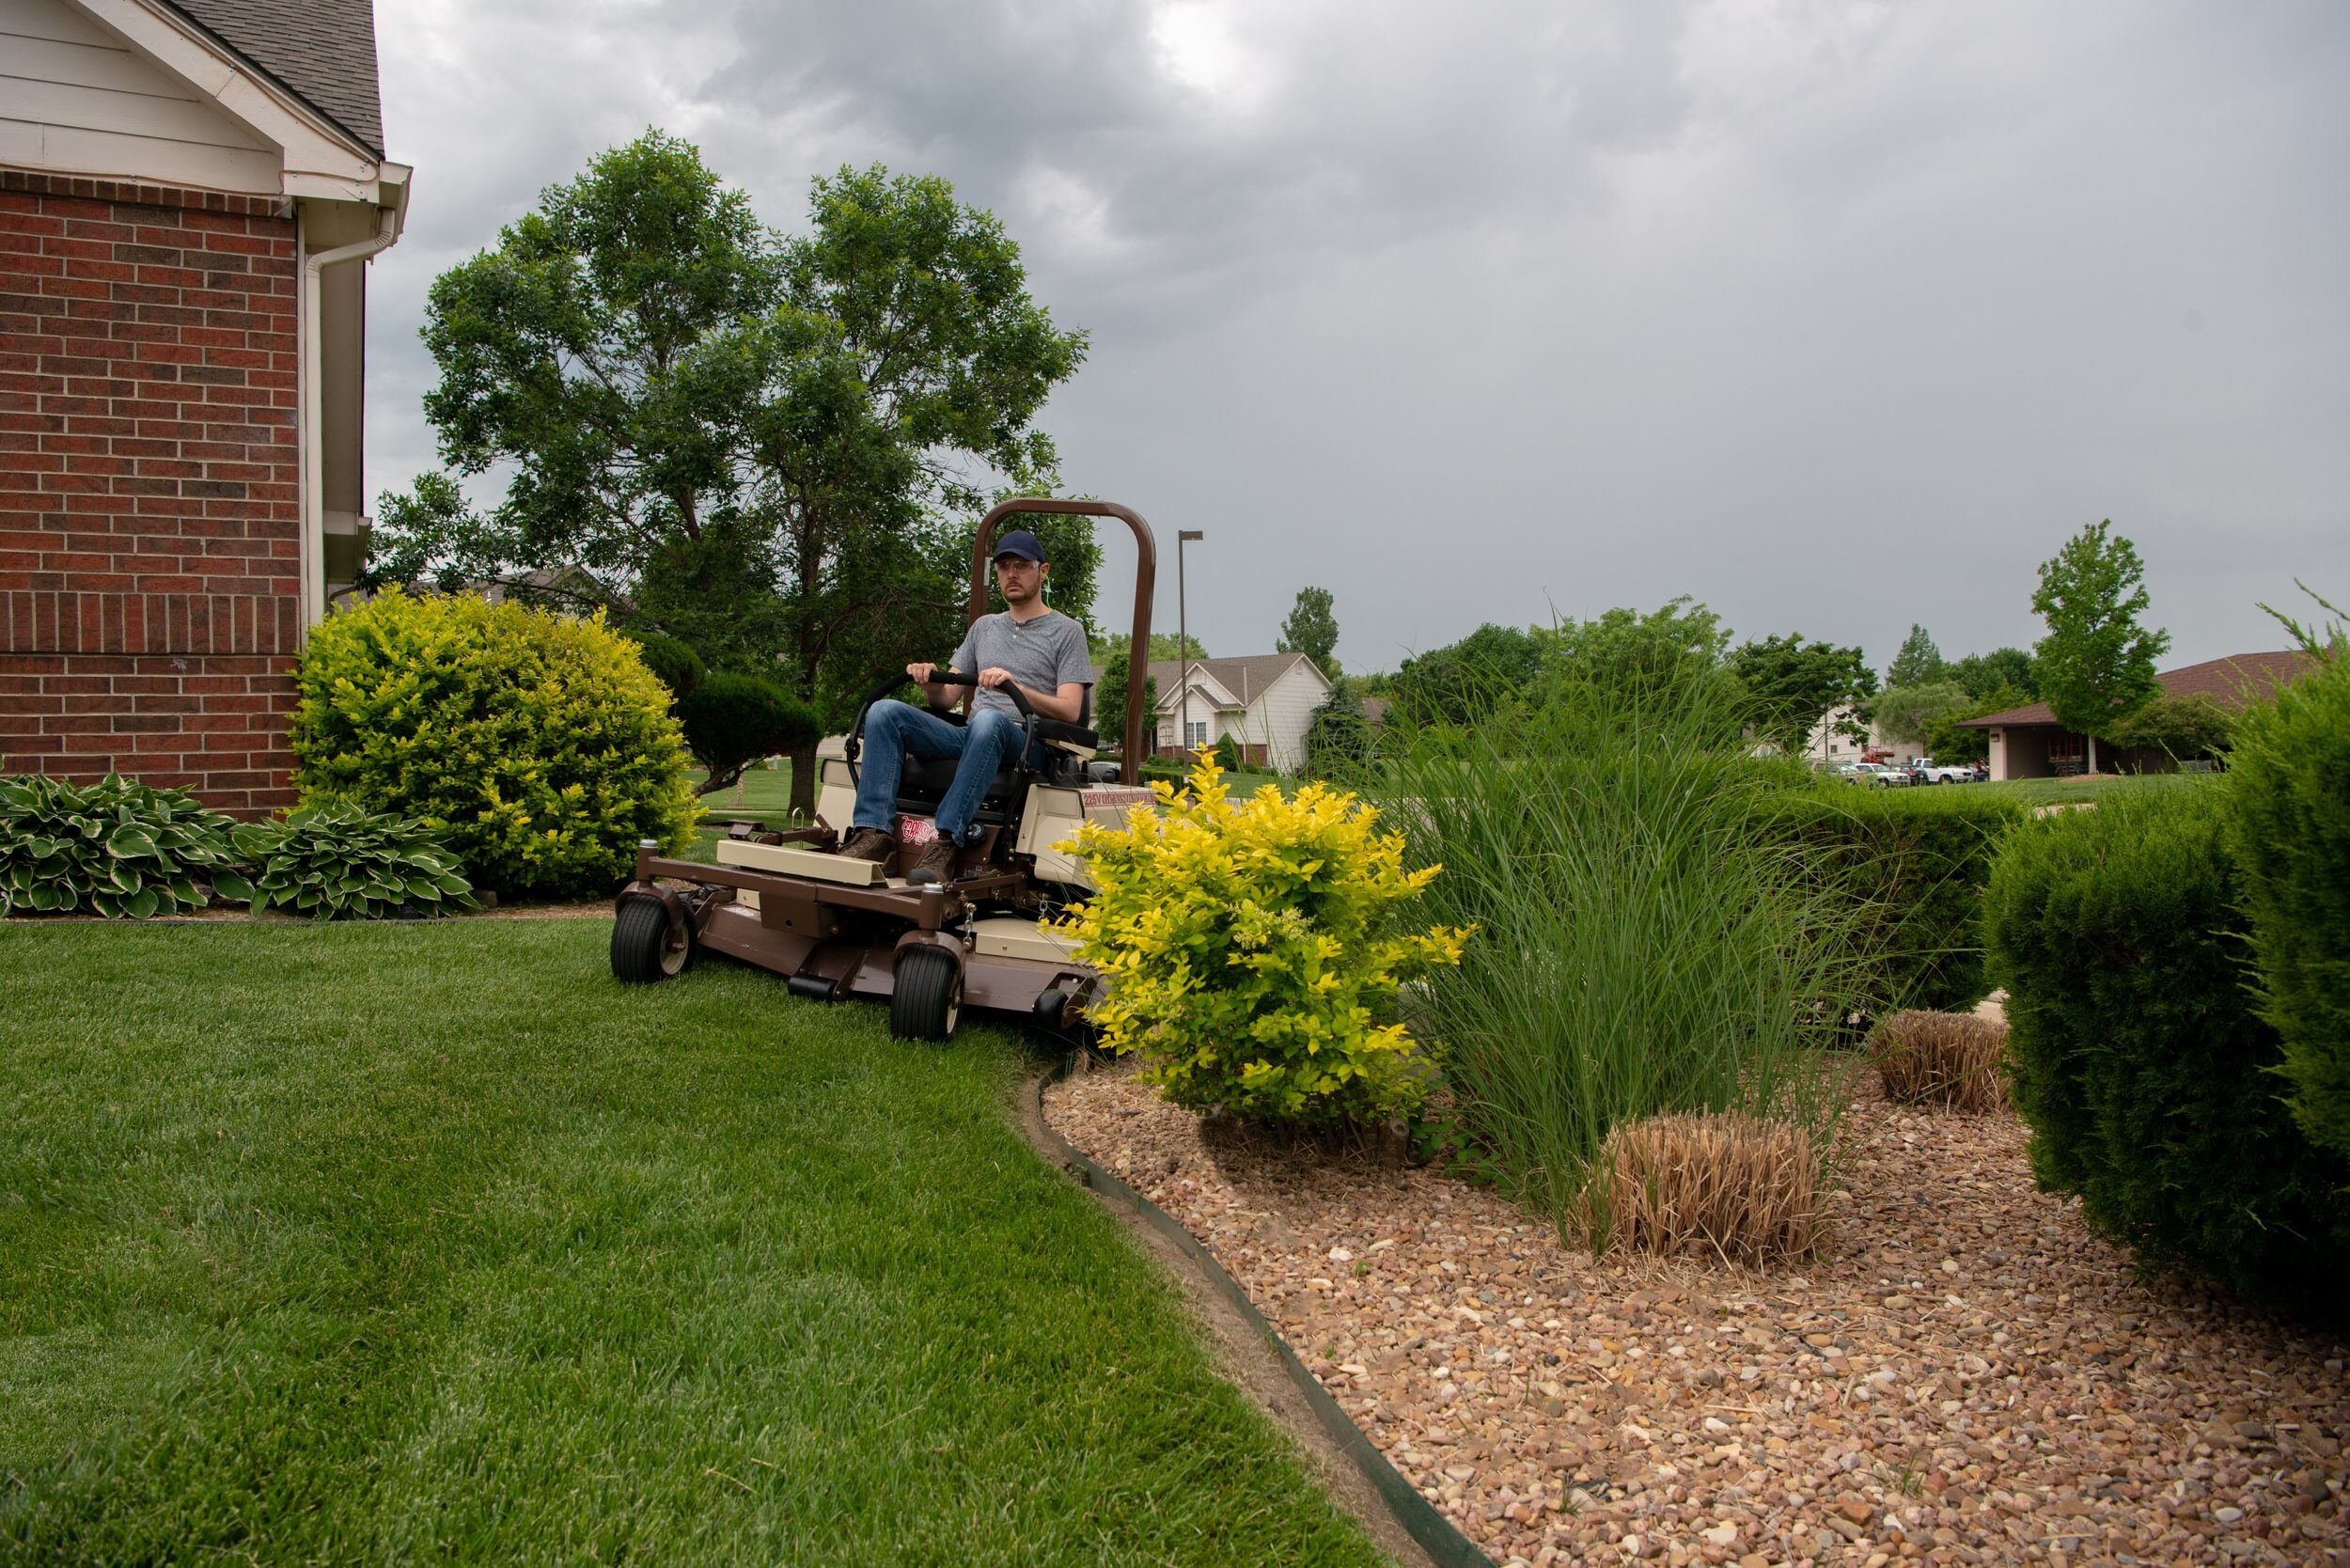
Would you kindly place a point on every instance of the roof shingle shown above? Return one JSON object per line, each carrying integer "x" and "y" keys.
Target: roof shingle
{"x": 320, "y": 51}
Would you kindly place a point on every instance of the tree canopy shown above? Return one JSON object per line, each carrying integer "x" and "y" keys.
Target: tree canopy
{"x": 2002, "y": 669}
{"x": 1313, "y": 629}
{"x": 1911, "y": 713}
{"x": 2097, "y": 663}
{"x": 1624, "y": 647}
{"x": 1793, "y": 684}
{"x": 774, "y": 449}
{"x": 1460, "y": 681}
{"x": 1917, "y": 663}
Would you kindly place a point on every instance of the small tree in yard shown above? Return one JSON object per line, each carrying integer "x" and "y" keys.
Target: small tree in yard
{"x": 732, "y": 721}
{"x": 2181, "y": 728}
{"x": 1793, "y": 684}
{"x": 1312, "y": 630}
{"x": 1912, "y": 712}
{"x": 2097, "y": 663}
{"x": 1917, "y": 663}
{"x": 1110, "y": 707}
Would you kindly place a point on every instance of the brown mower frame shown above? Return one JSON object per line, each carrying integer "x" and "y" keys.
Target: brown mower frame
{"x": 788, "y": 904}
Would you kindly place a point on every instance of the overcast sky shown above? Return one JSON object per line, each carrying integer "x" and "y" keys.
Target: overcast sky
{"x": 1834, "y": 314}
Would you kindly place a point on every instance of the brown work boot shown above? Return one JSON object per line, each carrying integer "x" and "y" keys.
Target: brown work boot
{"x": 937, "y": 862}
{"x": 868, "y": 843}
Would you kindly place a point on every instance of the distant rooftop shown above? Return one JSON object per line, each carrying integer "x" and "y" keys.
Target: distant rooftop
{"x": 2232, "y": 683}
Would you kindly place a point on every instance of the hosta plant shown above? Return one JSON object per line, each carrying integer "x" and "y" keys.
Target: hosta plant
{"x": 338, "y": 862}
{"x": 1255, "y": 951}
{"x": 117, "y": 848}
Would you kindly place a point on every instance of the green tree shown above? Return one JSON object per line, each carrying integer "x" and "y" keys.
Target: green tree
{"x": 1917, "y": 664}
{"x": 1948, "y": 741}
{"x": 1312, "y": 630}
{"x": 2181, "y": 728}
{"x": 577, "y": 354}
{"x": 2002, "y": 669}
{"x": 1911, "y": 713}
{"x": 1166, "y": 647}
{"x": 1338, "y": 734}
{"x": 1622, "y": 645}
{"x": 1793, "y": 684}
{"x": 1457, "y": 682}
{"x": 1110, "y": 707}
{"x": 2097, "y": 663}
{"x": 772, "y": 449}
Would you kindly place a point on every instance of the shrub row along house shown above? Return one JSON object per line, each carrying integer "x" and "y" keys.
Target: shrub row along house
{"x": 189, "y": 195}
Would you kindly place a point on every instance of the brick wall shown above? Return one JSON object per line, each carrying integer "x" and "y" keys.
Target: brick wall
{"x": 149, "y": 503}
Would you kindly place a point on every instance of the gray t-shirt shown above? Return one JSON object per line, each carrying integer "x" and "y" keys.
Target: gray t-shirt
{"x": 1043, "y": 653}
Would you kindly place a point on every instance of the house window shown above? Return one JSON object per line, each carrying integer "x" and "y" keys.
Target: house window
{"x": 1195, "y": 734}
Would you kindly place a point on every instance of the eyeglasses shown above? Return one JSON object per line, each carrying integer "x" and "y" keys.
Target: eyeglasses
{"x": 1016, "y": 563}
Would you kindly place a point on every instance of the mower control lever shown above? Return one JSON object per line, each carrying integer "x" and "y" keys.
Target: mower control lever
{"x": 1009, "y": 688}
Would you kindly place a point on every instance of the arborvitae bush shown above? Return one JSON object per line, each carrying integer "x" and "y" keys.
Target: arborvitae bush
{"x": 1915, "y": 862}
{"x": 2290, "y": 789}
{"x": 538, "y": 745}
{"x": 732, "y": 721}
{"x": 2139, "y": 1060}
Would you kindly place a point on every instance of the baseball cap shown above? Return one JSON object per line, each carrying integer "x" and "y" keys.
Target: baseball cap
{"x": 1022, "y": 543}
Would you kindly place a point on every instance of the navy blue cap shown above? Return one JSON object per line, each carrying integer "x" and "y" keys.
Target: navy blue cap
{"x": 1022, "y": 543}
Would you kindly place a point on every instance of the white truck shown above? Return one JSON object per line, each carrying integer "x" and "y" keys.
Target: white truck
{"x": 1927, "y": 771}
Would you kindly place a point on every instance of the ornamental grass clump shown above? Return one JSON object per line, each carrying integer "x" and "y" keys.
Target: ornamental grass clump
{"x": 1949, "y": 1060}
{"x": 117, "y": 848}
{"x": 340, "y": 863}
{"x": 1644, "y": 947}
{"x": 539, "y": 744}
{"x": 1255, "y": 951}
{"x": 1744, "y": 1189}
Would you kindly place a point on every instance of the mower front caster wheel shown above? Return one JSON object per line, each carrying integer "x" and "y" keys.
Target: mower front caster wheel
{"x": 643, "y": 948}
{"x": 926, "y": 1000}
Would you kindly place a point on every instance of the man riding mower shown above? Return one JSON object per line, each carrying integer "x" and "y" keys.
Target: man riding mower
{"x": 939, "y": 892}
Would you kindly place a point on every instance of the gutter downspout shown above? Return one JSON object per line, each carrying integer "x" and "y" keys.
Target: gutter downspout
{"x": 313, "y": 557}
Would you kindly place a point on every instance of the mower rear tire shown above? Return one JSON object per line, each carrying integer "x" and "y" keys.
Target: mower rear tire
{"x": 927, "y": 1001}
{"x": 644, "y": 947}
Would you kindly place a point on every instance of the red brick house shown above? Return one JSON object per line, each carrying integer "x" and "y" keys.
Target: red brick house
{"x": 2029, "y": 743}
{"x": 189, "y": 193}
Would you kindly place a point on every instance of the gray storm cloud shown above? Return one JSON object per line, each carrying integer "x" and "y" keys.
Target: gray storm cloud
{"x": 1836, "y": 315}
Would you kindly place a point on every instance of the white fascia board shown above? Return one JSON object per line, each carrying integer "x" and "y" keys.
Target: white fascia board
{"x": 319, "y": 159}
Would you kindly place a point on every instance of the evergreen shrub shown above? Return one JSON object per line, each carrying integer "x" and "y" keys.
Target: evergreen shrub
{"x": 117, "y": 848}
{"x": 732, "y": 721}
{"x": 2139, "y": 1060}
{"x": 674, "y": 664}
{"x": 1255, "y": 951}
{"x": 2291, "y": 793}
{"x": 538, "y": 745}
{"x": 1915, "y": 862}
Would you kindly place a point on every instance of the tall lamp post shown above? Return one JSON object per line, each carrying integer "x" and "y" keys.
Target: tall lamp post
{"x": 1182, "y": 632}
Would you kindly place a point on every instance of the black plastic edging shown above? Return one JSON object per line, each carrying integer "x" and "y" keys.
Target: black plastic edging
{"x": 1418, "y": 1517}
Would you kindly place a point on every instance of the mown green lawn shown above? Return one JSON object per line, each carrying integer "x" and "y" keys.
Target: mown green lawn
{"x": 405, "y": 1243}
{"x": 2057, "y": 791}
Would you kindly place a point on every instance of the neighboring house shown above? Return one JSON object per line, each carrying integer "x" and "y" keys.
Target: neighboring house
{"x": 188, "y": 195}
{"x": 1264, "y": 701}
{"x": 1831, "y": 745}
{"x": 2029, "y": 743}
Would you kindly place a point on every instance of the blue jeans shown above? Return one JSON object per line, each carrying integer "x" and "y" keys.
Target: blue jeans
{"x": 892, "y": 728}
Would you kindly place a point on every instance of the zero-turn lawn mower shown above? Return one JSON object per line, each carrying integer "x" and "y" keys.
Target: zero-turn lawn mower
{"x": 837, "y": 927}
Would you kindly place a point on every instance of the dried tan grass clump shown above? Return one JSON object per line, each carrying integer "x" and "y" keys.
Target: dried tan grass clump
{"x": 1945, "y": 1059}
{"x": 1722, "y": 1185}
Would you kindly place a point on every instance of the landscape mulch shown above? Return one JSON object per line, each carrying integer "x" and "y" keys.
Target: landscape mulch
{"x": 1964, "y": 1375}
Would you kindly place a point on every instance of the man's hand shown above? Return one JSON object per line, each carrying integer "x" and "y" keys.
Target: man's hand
{"x": 993, "y": 676}
{"x": 922, "y": 672}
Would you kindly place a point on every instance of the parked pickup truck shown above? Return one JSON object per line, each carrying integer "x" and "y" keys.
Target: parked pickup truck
{"x": 1927, "y": 771}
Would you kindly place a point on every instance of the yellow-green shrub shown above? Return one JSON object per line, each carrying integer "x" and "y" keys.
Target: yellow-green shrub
{"x": 538, "y": 744}
{"x": 1254, "y": 951}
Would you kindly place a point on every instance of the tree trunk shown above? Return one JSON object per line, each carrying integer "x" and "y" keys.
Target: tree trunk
{"x": 804, "y": 769}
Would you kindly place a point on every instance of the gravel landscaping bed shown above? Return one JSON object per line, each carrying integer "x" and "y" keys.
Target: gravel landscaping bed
{"x": 1967, "y": 1374}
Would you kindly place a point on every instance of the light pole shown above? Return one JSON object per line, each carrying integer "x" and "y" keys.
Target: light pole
{"x": 1183, "y": 635}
